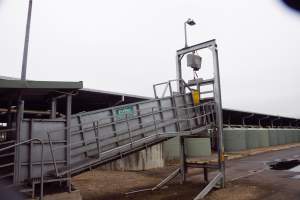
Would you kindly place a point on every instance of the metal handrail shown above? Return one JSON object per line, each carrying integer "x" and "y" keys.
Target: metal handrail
{"x": 95, "y": 138}
{"x": 42, "y": 159}
{"x": 132, "y": 118}
{"x": 138, "y": 124}
{"x": 7, "y": 130}
{"x": 168, "y": 85}
{"x": 133, "y": 129}
{"x": 132, "y": 142}
{"x": 137, "y": 127}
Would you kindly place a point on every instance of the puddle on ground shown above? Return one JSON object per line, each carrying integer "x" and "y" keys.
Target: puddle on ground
{"x": 295, "y": 169}
{"x": 285, "y": 165}
{"x": 296, "y": 177}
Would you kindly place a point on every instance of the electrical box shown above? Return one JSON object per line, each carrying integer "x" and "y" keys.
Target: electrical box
{"x": 194, "y": 61}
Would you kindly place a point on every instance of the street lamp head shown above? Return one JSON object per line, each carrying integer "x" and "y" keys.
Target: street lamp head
{"x": 190, "y": 22}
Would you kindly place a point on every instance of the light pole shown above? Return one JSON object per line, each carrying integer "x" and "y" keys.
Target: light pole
{"x": 191, "y": 23}
{"x": 25, "y": 51}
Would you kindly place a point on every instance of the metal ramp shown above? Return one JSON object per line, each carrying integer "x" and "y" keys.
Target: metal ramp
{"x": 102, "y": 136}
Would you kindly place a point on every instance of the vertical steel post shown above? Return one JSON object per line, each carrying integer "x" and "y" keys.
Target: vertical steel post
{"x": 25, "y": 51}
{"x": 182, "y": 159}
{"x": 179, "y": 73}
{"x": 185, "y": 35}
{"x": 30, "y": 149}
{"x": 219, "y": 114}
{"x": 53, "y": 108}
{"x": 20, "y": 113}
{"x": 9, "y": 115}
{"x": 68, "y": 130}
{"x": 181, "y": 138}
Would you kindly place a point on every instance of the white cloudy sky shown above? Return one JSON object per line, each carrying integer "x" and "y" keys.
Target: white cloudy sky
{"x": 126, "y": 46}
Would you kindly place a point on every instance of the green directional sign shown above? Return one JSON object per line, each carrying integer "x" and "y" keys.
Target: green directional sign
{"x": 122, "y": 112}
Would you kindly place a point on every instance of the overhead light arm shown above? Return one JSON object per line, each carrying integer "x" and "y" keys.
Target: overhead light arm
{"x": 191, "y": 23}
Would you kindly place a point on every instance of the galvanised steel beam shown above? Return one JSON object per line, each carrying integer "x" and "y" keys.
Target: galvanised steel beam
{"x": 211, "y": 44}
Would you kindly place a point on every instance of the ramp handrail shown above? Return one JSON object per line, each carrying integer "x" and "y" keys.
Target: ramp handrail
{"x": 168, "y": 84}
{"x": 42, "y": 159}
{"x": 128, "y": 130}
{"x": 135, "y": 114}
{"x": 158, "y": 110}
{"x": 157, "y": 134}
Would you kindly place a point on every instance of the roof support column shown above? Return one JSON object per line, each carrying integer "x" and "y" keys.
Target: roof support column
{"x": 259, "y": 121}
{"x": 68, "y": 133}
{"x": 272, "y": 121}
{"x": 247, "y": 117}
{"x": 20, "y": 115}
{"x": 53, "y": 108}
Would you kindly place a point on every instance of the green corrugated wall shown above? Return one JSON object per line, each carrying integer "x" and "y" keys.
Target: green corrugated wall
{"x": 235, "y": 139}
{"x": 193, "y": 147}
{"x": 258, "y": 137}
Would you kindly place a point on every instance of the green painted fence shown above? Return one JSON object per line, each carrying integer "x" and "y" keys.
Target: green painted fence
{"x": 235, "y": 139}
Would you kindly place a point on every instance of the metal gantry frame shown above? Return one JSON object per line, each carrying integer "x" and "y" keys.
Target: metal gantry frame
{"x": 220, "y": 177}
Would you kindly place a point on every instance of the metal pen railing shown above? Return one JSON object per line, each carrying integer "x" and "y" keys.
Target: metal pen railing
{"x": 4, "y": 133}
{"x": 42, "y": 159}
{"x": 155, "y": 124}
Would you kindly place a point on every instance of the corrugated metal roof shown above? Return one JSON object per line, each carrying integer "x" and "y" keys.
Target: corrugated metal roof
{"x": 20, "y": 84}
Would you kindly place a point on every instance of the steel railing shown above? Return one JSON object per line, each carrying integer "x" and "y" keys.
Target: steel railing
{"x": 42, "y": 159}
{"x": 168, "y": 85}
{"x": 206, "y": 117}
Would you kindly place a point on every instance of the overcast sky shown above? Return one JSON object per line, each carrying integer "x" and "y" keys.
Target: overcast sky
{"x": 126, "y": 46}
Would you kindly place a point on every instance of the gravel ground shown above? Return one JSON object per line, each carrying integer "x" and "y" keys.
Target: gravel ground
{"x": 112, "y": 185}
{"x": 241, "y": 184}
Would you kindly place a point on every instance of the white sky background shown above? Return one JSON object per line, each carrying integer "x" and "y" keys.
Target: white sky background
{"x": 126, "y": 46}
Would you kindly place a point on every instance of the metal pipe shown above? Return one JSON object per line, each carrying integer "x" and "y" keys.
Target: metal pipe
{"x": 185, "y": 37}
{"x": 179, "y": 73}
{"x": 25, "y": 51}
{"x": 53, "y": 108}
{"x": 259, "y": 120}
{"x": 42, "y": 159}
{"x": 295, "y": 122}
{"x": 219, "y": 112}
{"x": 68, "y": 133}
{"x": 246, "y": 117}
{"x": 38, "y": 112}
{"x": 272, "y": 121}
{"x": 191, "y": 23}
